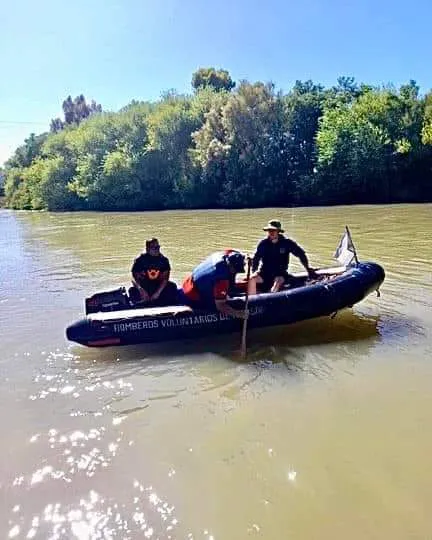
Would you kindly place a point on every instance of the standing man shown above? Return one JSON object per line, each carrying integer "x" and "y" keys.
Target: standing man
{"x": 273, "y": 252}
{"x": 150, "y": 278}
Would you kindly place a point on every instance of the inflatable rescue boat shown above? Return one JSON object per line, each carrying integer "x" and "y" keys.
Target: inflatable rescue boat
{"x": 112, "y": 320}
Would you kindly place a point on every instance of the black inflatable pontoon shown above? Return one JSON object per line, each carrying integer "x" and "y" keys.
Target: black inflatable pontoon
{"x": 111, "y": 320}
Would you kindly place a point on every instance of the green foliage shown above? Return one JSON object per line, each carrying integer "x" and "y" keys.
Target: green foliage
{"x": 426, "y": 133}
{"x": 218, "y": 79}
{"x": 225, "y": 147}
{"x": 368, "y": 148}
{"x": 25, "y": 154}
{"x": 16, "y": 190}
{"x": 2, "y": 180}
{"x": 251, "y": 147}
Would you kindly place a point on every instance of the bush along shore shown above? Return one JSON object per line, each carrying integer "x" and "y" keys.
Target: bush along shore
{"x": 231, "y": 145}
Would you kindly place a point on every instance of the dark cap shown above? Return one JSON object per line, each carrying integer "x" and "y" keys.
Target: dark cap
{"x": 274, "y": 225}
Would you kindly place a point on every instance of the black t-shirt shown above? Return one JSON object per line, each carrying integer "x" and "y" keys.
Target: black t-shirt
{"x": 148, "y": 269}
{"x": 275, "y": 255}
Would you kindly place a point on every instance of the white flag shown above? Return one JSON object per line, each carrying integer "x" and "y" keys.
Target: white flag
{"x": 345, "y": 252}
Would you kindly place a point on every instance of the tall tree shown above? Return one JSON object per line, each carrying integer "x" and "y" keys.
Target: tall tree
{"x": 303, "y": 108}
{"x": 75, "y": 111}
{"x": 244, "y": 143}
{"x": 218, "y": 79}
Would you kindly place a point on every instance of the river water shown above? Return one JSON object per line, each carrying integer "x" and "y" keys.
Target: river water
{"x": 325, "y": 431}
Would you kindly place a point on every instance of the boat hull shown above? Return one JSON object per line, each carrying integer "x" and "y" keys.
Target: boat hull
{"x": 152, "y": 325}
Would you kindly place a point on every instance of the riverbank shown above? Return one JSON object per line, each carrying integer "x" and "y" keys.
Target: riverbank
{"x": 274, "y": 207}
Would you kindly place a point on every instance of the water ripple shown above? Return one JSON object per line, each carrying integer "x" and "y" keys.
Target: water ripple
{"x": 96, "y": 517}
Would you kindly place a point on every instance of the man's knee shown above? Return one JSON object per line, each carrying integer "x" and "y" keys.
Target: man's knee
{"x": 278, "y": 284}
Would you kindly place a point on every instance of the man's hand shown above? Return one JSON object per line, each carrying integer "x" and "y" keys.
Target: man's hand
{"x": 312, "y": 274}
{"x": 242, "y": 314}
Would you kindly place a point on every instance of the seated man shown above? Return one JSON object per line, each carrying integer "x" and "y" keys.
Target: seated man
{"x": 273, "y": 252}
{"x": 150, "y": 277}
{"x": 213, "y": 281}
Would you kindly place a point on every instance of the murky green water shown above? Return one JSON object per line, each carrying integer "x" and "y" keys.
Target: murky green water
{"x": 324, "y": 433}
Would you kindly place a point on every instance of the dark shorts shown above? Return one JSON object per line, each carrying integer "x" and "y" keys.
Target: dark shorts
{"x": 268, "y": 279}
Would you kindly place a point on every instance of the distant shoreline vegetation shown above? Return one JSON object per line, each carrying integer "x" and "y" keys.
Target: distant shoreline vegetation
{"x": 231, "y": 145}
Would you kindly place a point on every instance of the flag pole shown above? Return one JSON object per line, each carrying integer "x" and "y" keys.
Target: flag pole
{"x": 352, "y": 243}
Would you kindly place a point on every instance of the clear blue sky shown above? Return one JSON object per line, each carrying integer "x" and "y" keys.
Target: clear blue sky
{"x": 117, "y": 50}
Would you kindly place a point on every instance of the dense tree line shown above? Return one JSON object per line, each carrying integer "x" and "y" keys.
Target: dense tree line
{"x": 1, "y": 182}
{"x": 231, "y": 145}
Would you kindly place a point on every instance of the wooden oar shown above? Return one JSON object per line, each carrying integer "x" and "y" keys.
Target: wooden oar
{"x": 243, "y": 341}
